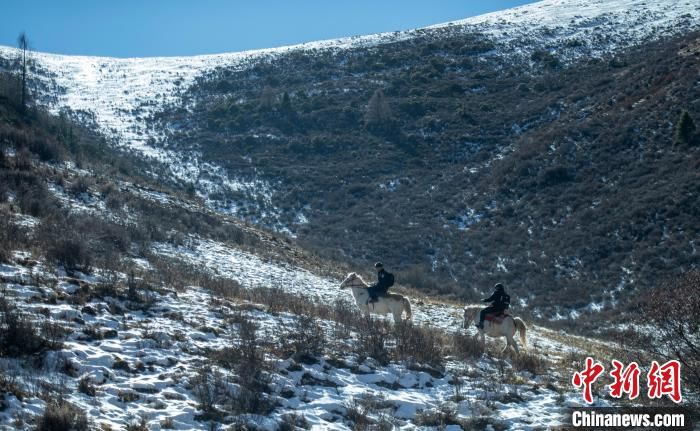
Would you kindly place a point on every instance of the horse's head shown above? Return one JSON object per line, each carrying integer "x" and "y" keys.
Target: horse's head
{"x": 348, "y": 280}
{"x": 353, "y": 280}
{"x": 470, "y": 313}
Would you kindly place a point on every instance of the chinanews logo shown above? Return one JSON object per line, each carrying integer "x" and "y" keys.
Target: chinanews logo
{"x": 625, "y": 381}
{"x": 661, "y": 380}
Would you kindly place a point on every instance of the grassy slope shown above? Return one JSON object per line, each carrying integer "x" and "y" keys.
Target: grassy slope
{"x": 575, "y": 171}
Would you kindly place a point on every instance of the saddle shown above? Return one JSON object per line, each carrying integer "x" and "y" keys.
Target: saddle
{"x": 496, "y": 317}
{"x": 385, "y": 295}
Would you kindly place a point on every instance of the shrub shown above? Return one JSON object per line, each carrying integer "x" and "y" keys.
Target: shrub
{"x": 208, "y": 388}
{"x": 71, "y": 253}
{"x": 445, "y": 415}
{"x": 548, "y": 59}
{"x": 307, "y": 338}
{"x": 7, "y": 228}
{"x": 685, "y": 129}
{"x": 418, "y": 344}
{"x": 371, "y": 342}
{"x": 62, "y": 416}
{"x": 358, "y": 416}
{"x": 466, "y": 346}
{"x": 35, "y": 200}
{"x": 18, "y": 334}
{"x": 46, "y": 148}
{"x": 251, "y": 371}
{"x": 140, "y": 424}
{"x": 555, "y": 175}
{"x": 529, "y": 362}
{"x": 52, "y": 334}
{"x": 86, "y": 387}
{"x": 674, "y": 311}
{"x": 23, "y": 159}
{"x": 291, "y": 422}
{"x": 359, "y": 411}
{"x": 10, "y": 383}
{"x": 79, "y": 186}
{"x": 121, "y": 364}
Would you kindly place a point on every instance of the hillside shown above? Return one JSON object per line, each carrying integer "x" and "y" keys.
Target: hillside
{"x": 497, "y": 148}
{"x": 174, "y": 232}
{"x": 126, "y": 306}
{"x": 560, "y": 179}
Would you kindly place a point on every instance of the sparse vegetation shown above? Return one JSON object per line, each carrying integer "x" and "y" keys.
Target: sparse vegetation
{"x": 307, "y": 338}
{"x": 62, "y": 416}
{"x": 685, "y": 130}
{"x": 87, "y": 387}
{"x": 543, "y": 145}
{"x": 526, "y": 361}
{"x": 428, "y": 116}
{"x": 440, "y": 417}
{"x": 19, "y": 335}
{"x": 140, "y": 424}
{"x": 674, "y": 311}
{"x": 466, "y": 346}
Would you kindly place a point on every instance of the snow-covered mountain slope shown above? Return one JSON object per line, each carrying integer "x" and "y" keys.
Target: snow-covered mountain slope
{"x": 124, "y": 94}
{"x": 605, "y": 25}
{"x": 119, "y": 369}
{"x": 155, "y": 335}
{"x": 127, "y": 357}
{"x": 148, "y": 356}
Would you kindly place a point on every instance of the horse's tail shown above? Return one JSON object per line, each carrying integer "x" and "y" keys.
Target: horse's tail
{"x": 407, "y": 308}
{"x": 520, "y": 326}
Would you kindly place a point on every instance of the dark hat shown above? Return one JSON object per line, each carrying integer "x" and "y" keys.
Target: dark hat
{"x": 498, "y": 286}
{"x": 378, "y": 265}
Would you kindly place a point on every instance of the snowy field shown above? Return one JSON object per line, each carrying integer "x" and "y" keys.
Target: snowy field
{"x": 143, "y": 362}
{"x": 251, "y": 271}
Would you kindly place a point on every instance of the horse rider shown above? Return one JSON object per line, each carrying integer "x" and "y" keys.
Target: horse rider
{"x": 384, "y": 281}
{"x": 500, "y": 301}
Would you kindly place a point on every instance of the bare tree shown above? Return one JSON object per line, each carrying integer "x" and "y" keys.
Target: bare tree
{"x": 23, "y": 45}
{"x": 674, "y": 311}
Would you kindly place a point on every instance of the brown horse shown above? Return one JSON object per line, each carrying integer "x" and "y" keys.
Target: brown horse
{"x": 505, "y": 328}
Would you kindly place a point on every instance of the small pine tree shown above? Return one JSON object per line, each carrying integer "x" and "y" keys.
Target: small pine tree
{"x": 685, "y": 128}
{"x": 286, "y": 104}
{"x": 23, "y": 45}
{"x": 378, "y": 111}
{"x": 267, "y": 98}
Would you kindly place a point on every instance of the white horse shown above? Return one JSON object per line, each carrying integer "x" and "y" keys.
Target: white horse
{"x": 391, "y": 303}
{"x": 504, "y": 328}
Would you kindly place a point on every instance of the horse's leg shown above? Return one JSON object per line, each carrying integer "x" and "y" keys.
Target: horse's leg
{"x": 512, "y": 343}
{"x": 512, "y": 338}
{"x": 397, "y": 312}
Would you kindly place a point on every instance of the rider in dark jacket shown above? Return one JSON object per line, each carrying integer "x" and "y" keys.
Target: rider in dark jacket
{"x": 384, "y": 281}
{"x": 500, "y": 301}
